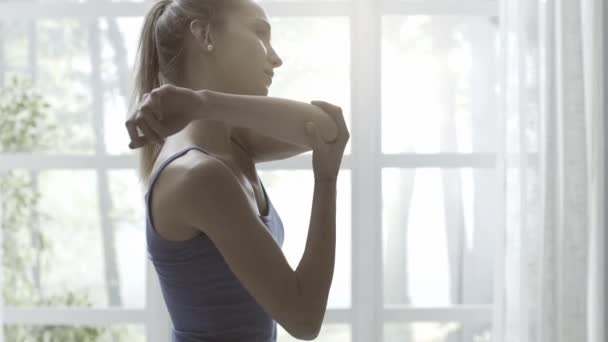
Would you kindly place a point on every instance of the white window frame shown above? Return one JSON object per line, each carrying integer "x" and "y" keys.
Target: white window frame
{"x": 367, "y": 315}
{"x": 604, "y": 216}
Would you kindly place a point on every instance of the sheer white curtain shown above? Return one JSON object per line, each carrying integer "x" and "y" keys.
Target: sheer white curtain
{"x": 550, "y": 279}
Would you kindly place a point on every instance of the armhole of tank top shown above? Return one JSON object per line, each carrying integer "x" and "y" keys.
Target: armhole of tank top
{"x": 148, "y": 201}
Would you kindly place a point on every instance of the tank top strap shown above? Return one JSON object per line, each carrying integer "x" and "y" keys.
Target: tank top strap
{"x": 181, "y": 153}
{"x": 170, "y": 159}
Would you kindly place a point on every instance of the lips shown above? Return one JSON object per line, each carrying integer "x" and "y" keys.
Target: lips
{"x": 269, "y": 77}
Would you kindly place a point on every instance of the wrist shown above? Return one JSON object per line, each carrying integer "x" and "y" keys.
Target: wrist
{"x": 204, "y": 112}
{"x": 324, "y": 181}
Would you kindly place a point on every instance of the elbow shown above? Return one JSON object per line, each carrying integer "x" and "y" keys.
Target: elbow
{"x": 307, "y": 317}
{"x": 313, "y": 332}
{"x": 317, "y": 323}
{"x": 305, "y": 325}
{"x": 307, "y": 332}
{"x": 313, "y": 325}
{"x": 308, "y": 337}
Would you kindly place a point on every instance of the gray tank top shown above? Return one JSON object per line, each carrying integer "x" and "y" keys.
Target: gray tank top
{"x": 205, "y": 300}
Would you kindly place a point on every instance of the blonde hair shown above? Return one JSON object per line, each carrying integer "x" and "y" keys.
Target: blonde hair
{"x": 159, "y": 55}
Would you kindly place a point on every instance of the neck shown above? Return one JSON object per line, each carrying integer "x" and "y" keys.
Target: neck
{"x": 215, "y": 138}
{"x": 211, "y": 136}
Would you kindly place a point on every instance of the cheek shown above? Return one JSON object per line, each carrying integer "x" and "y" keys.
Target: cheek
{"x": 239, "y": 71}
{"x": 249, "y": 57}
{"x": 254, "y": 46}
{"x": 244, "y": 60}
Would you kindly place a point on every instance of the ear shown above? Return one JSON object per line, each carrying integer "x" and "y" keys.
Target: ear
{"x": 200, "y": 31}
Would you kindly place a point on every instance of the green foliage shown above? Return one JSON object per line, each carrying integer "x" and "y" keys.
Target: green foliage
{"x": 25, "y": 126}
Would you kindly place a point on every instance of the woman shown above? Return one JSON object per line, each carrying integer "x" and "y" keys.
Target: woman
{"x": 212, "y": 232}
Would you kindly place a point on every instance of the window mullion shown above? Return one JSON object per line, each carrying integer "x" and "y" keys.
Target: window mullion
{"x": 366, "y": 189}
{"x": 441, "y": 7}
{"x": 103, "y": 188}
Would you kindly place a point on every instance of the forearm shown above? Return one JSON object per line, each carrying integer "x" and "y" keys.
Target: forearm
{"x": 279, "y": 118}
{"x": 316, "y": 268}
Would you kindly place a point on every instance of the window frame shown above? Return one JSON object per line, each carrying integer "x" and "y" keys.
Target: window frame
{"x": 365, "y": 32}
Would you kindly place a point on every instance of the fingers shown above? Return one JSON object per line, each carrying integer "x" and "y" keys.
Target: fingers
{"x": 131, "y": 128}
{"x": 146, "y": 118}
{"x": 327, "y": 105}
{"x": 150, "y": 103}
{"x": 139, "y": 143}
{"x": 313, "y": 135}
{"x": 155, "y": 105}
{"x": 329, "y": 109}
{"x": 137, "y": 140}
{"x": 140, "y": 140}
{"x": 148, "y": 132}
{"x": 153, "y": 122}
{"x": 334, "y": 112}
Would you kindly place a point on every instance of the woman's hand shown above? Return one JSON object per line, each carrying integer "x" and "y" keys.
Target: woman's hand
{"x": 163, "y": 112}
{"x": 327, "y": 157}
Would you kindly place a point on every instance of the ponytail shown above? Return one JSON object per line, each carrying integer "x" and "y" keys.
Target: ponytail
{"x": 147, "y": 78}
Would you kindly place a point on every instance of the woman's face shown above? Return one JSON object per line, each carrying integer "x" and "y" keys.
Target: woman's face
{"x": 242, "y": 60}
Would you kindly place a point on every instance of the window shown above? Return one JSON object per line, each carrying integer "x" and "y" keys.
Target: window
{"x": 417, "y": 208}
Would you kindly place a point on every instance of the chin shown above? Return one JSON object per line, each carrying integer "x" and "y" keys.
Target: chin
{"x": 263, "y": 92}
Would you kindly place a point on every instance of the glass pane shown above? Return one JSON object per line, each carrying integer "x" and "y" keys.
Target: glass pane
{"x": 127, "y": 220}
{"x": 119, "y": 42}
{"x": 15, "y": 52}
{"x": 64, "y": 75}
{"x": 329, "y": 333}
{"x": 291, "y": 194}
{"x": 54, "y": 54}
{"x": 75, "y": 333}
{"x": 438, "y": 84}
{"x": 438, "y": 236}
{"x": 437, "y": 332}
{"x": 57, "y": 253}
{"x": 316, "y": 61}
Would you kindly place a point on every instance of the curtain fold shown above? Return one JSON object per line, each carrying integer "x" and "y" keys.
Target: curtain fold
{"x": 550, "y": 261}
{"x": 594, "y": 36}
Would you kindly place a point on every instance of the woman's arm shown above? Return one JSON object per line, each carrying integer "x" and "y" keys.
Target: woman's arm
{"x": 271, "y": 116}
{"x": 263, "y": 148}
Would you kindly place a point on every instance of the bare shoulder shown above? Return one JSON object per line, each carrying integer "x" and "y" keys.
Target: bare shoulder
{"x": 173, "y": 174}
{"x": 208, "y": 189}
{"x": 168, "y": 197}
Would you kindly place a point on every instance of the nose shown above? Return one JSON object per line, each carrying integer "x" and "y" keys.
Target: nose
{"x": 275, "y": 60}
